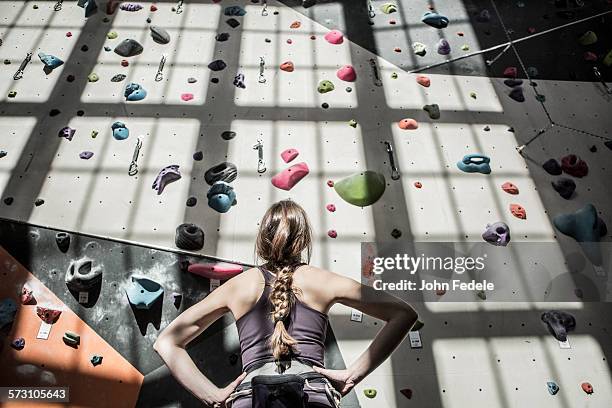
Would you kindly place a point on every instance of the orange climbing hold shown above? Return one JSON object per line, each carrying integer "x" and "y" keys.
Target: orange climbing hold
{"x": 510, "y": 188}
{"x": 423, "y": 81}
{"x": 518, "y": 211}
{"x": 287, "y": 66}
{"x": 587, "y": 387}
{"x": 296, "y": 24}
{"x": 408, "y": 124}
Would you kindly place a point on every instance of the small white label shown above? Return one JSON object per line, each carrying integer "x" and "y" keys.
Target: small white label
{"x": 83, "y": 297}
{"x": 214, "y": 284}
{"x": 356, "y": 316}
{"x": 415, "y": 339}
{"x": 565, "y": 344}
{"x": 43, "y": 331}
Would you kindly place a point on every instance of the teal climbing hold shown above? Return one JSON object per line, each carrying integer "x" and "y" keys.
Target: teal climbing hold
{"x": 120, "y": 131}
{"x": 325, "y": 86}
{"x": 50, "y": 61}
{"x": 221, "y": 197}
{"x": 361, "y": 189}
{"x": 134, "y": 92}
{"x": 143, "y": 292}
{"x": 553, "y": 388}
{"x": 435, "y": 20}
{"x": 475, "y": 163}
{"x": 586, "y": 227}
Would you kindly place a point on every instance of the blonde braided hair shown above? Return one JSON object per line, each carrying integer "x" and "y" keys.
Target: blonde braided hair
{"x": 284, "y": 233}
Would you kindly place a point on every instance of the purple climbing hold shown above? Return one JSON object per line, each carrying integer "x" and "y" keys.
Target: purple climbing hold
{"x": 559, "y": 323}
{"x": 86, "y": 155}
{"x": 517, "y": 94}
{"x": 552, "y": 167}
{"x": 166, "y": 176}
{"x": 497, "y": 234}
{"x": 444, "y": 47}
{"x": 130, "y": 7}
{"x": 67, "y": 132}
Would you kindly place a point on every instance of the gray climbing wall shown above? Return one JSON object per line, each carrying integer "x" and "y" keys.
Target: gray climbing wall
{"x": 481, "y": 354}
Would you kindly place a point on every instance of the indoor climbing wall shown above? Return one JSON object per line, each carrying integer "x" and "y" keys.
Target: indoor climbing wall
{"x": 200, "y": 112}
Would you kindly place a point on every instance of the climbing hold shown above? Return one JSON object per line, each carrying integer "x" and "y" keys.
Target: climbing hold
{"x": 418, "y": 325}
{"x": 418, "y": 184}
{"x": 513, "y": 82}
{"x": 559, "y": 323}
{"x": 239, "y": 81}
{"x": 588, "y": 38}
{"x": 26, "y": 295}
{"x": 96, "y": 360}
{"x": 3, "y": 153}
{"x": 197, "y": 156}
{"x": 388, "y": 8}
{"x": 473, "y": 95}
{"x": 130, "y": 7}
{"x": 330, "y": 183}
{"x": 86, "y": 155}
{"x": 112, "y": 35}
{"x": 475, "y": 163}
{"x": 423, "y": 81}
{"x": 486, "y": 128}
{"x": 289, "y": 154}
{"x": 289, "y": 41}
{"x": 552, "y": 167}
{"x": 361, "y": 189}
{"x": 584, "y": 225}
{"x": 153, "y": 7}
{"x": 397, "y": 49}
{"x": 71, "y": 339}
{"x": 517, "y": 94}
{"x": 118, "y": 78}
{"x": 216, "y": 270}
{"x": 47, "y": 314}
{"x": 93, "y": 77}
{"x": 191, "y": 202}
{"x": 497, "y": 234}
{"x": 129, "y": 48}
{"x": 12, "y": 94}
{"x": 221, "y": 197}
{"x": 565, "y": 187}
{"x": 590, "y": 56}
{"x": 460, "y": 33}
{"x": 85, "y": 48}
{"x": 435, "y": 20}
{"x": 120, "y": 131}
{"x": 553, "y": 388}
{"x": 406, "y": 392}
{"x": 332, "y": 233}
{"x": 295, "y": 24}
{"x": 189, "y": 237}
{"x": 50, "y": 61}
{"x": 228, "y": 135}
{"x": 54, "y": 112}
{"x": 484, "y": 16}
{"x": 8, "y": 200}
{"x": 166, "y": 176}
{"x": 232, "y": 22}
{"x": 325, "y": 105}
{"x": 607, "y": 60}
{"x": 191, "y": 80}
{"x": 224, "y": 171}
{"x": 395, "y": 233}
{"x": 234, "y": 11}
{"x": 187, "y": 97}
{"x": 125, "y": 63}
{"x": 352, "y": 123}
{"x": 18, "y": 343}
{"x": 347, "y": 73}
{"x": 8, "y": 309}
{"x": 408, "y": 124}
{"x": 481, "y": 294}
{"x": 82, "y": 274}
{"x": 532, "y": 72}
{"x": 331, "y": 207}
{"x": 510, "y": 188}
{"x": 510, "y": 72}
{"x": 574, "y": 166}
{"x": 222, "y": 37}
{"x": 159, "y": 35}
{"x": 394, "y": 75}
{"x": 62, "y": 239}
{"x": 287, "y": 66}
{"x": 134, "y": 92}
{"x": 518, "y": 211}
{"x": 66, "y": 132}
{"x": 587, "y": 387}
{"x": 325, "y": 86}
{"x": 288, "y": 178}
{"x": 444, "y": 47}
{"x": 369, "y": 392}
{"x": 432, "y": 110}
{"x": 419, "y": 49}
{"x": 465, "y": 47}
{"x": 38, "y": 202}
{"x": 334, "y": 37}
{"x": 143, "y": 292}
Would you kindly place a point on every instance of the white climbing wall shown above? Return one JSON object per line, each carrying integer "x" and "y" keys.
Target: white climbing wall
{"x": 474, "y": 359}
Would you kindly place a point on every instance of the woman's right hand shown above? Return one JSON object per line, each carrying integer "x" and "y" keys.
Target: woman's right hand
{"x": 342, "y": 380}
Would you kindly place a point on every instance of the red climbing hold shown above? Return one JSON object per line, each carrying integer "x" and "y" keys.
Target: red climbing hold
{"x": 347, "y": 73}
{"x": 330, "y": 207}
{"x": 287, "y": 66}
{"x": 48, "y": 315}
{"x": 418, "y": 184}
{"x": 590, "y": 56}
{"x": 288, "y": 178}
{"x": 330, "y": 183}
{"x": 441, "y": 292}
{"x": 574, "y": 166}
{"x": 423, "y": 81}
{"x": 406, "y": 392}
{"x": 124, "y": 63}
{"x": 332, "y": 234}
{"x": 408, "y": 124}
{"x": 153, "y": 7}
{"x": 68, "y": 34}
{"x": 289, "y": 154}
{"x": 289, "y": 41}
{"x": 518, "y": 211}
{"x": 397, "y": 49}
{"x": 587, "y": 387}
{"x": 510, "y": 188}
{"x": 510, "y": 72}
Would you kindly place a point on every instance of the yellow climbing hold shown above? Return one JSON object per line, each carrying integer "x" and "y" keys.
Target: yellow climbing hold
{"x": 369, "y": 392}
{"x": 465, "y": 47}
{"x": 93, "y": 77}
{"x": 394, "y": 75}
{"x": 352, "y": 123}
{"x": 112, "y": 35}
{"x": 473, "y": 94}
{"x": 94, "y": 134}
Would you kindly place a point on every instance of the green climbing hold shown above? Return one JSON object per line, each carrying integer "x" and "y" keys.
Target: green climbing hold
{"x": 607, "y": 61}
{"x": 112, "y": 35}
{"x": 12, "y": 94}
{"x": 388, "y": 8}
{"x": 352, "y": 123}
{"x": 369, "y": 392}
{"x": 587, "y": 38}
{"x": 432, "y": 110}
{"x": 540, "y": 98}
{"x": 325, "y": 86}
{"x": 93, "y": 77}
{"x": 361, "y": 189}
{"x": 465, "y": 47}
{"x": 94, "y": 134}
{"x": 394, "y": 75}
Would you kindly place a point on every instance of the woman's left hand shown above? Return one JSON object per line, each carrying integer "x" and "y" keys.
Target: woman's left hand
{"x": 218, "y": 398}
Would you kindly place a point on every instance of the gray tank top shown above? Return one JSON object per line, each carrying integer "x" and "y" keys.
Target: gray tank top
{"x": 307, "y": 326}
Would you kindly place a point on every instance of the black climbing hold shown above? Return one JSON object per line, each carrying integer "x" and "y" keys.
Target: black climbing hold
{"x": 565, "y": 187}
{"x": 9, "y": 200}
{"x": 63, "y": 241}
{"x": 232, "y": 22}
{"x": 608, "y": 144}
{"x": 233, "y": 358}
{"x": 183, "y": 265}
{"x": 396, "y": 233}
{"x": 191, "y": 202}
{"x": 217, "y": 65}
{"x": 275, "y": 13}
{"x": 228, "y": 135}
{"x": 106, "y": 19}
{"x": 84, "y": 48}
{"x": 559, "y": 323}
{"x": 268, "y": 40}
{"x": 54, "y": 112}
{"x": 7, "y": 62}
{"x": 80, "y": 112}
{"x": 224, "y": 171}
{"x": 189, "y": 237}
{"x": 513, "y": 82}
{"x": 3, "y": 153}
{"x": 552, "y": 167}
{"x": 118, "y": 78}
{"x": 511, "y": 129}
{"x": 214, "y": 80}
{"x": 325, "y": 105}
{"x": 149, "y": 20}
{"x": 593, "y": 148}
{"x": 159, "y": 35}
{"x": 178, "y": 298}
{"x": 486, "y": 128}
{"x": 39, "y": 202}
{"x": 222, "y": 37}
{"x": 197, "y": 156}
{"x": 517, "y": 94}
{"x": 129, "y": 48}
{"x": 349, "y": 89}
{"x": 70, "y": 78}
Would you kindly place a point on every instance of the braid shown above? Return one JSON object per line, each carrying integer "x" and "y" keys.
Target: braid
{"x": 282, "y": 299}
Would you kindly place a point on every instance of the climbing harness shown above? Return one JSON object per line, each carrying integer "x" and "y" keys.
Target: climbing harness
{"x": 264, "y": 10}
{"x": 159, "y": 76}
{"x": 58, "y": 5}
{"x": 133, "y": 170}
{"x": 179, "y": 7}
{"x": 371, "y": 12}
{"x": 395, "y": 175}
{"x": 22, "y": 67}
{"x": 262, "y": 68}
{"x": 375, "y": 72}
{"x": 598, "y": 75}
{"x": 261, "y": 165}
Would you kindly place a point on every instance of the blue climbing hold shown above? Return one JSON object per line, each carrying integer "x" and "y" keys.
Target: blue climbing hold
{"x": 50, "y": 61}
{"x": 435, "y": 20}
{"x": 234, "y": 11}
{"x": 586, "y": 228}
{"x": 475, "y": 163}
{"x": 8, "y": 308}
{"x": 120, "y": 132}
{"x": 143, "y": 292}
{"x": 221, "y": 197}
{"x": 553, "y": 388}
{"x": 134, "y": 92}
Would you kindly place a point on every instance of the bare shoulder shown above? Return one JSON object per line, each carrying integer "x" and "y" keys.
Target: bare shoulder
{"x": 244, "y": 290}
{"x": 319, "y": 285}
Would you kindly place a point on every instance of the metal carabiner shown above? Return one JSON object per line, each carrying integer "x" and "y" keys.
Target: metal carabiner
{"x": 58, "y": 5}
{"x": 261, "y": 165}
{"x": 371, "y": 12}
{"x": 601, "y": 79}
{"x": 133, "y": 170}
{"x": 395, "y": 175}
{"x": 22, "y": 67}
{"x": 262, "y": 68}
{"x": 375, "y": 72}
{"x": 159, "y": 76}
{"x": 179, "y": 7}
{"x": 264, "y": 10}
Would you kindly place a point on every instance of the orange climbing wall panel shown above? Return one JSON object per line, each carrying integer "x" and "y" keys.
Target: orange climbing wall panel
{"x": 114, "y": 383}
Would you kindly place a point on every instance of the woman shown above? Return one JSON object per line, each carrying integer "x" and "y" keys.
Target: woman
{"x": 281, "y": 315}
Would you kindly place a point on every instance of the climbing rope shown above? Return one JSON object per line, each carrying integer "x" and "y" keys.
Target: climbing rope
{"x": 133, "y": 170}
{"x": 22, "y": 67}
{"x": 375, "y": 72}
{"x": 395, "y": 175}
{"x": 179, "y": 7}
{"x": 261, "y": 165}
{"x": 264, "y": 10}
{"x": 262, "y": 68}
{"x": 58, "y": 5}
{"x": 159, "y": 76}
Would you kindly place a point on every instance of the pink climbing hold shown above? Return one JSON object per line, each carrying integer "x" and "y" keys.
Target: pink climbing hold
{"x": 26, "y": 295}
{"x": 423, "y": 81}
{"x": 510, "y": 72}
{"x": 408, "y": 124}
{"x": 68, "y": 34}
{"x": 334, "y": 37}
{"x": 510, "y": 188}
{"x": 347, "y": 73}
{"x": 418, "y": 184}
{"x": 518, "y": 211}
{"x": 289, "y": 41}
{"x": 330, "y": 207}
{"x": 289, "y": 154}
{"x": 590, "y": 56}
{"x": 217, "y": 270}
{"x": 187, "y": 97}
{"x": 332, "y": 233}
{"x": 288, "y": 178}
{"x": 330, "y": 183}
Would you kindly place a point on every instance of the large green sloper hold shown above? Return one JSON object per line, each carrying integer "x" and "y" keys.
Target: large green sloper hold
{"x": 361, "y": 189}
